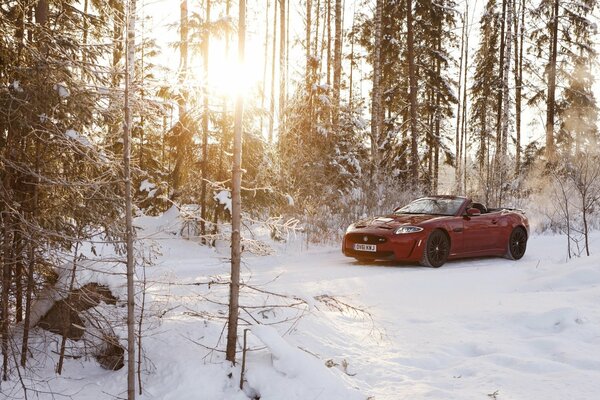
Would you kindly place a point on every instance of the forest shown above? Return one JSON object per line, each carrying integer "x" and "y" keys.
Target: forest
{"x": 294, "y": 116}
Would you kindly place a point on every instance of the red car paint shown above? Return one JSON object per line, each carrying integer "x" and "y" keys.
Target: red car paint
{"x": 469, "y": 234}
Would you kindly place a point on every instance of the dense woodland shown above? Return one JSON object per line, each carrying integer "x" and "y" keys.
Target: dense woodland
{"x": 394, "y": 99}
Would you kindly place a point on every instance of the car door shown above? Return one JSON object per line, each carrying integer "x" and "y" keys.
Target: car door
{"x": 481, "y": 233}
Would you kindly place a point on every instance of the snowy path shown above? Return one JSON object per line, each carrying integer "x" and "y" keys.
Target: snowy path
{"x": 522, "y": 330}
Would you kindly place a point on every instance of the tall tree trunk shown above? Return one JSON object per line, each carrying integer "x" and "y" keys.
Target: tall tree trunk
{"x": 337, "y": 63}
{"x": 457, "y": 168}
{"x": 41, "y": 12}
{"x": 225, "y": 125}
{"x": 376, "y": 92}
{"x": 350, "y": 78}
{"x": 6, "y": 280}
{"x": 32, "y": 256}
{"x": 265, "y": 63}
{"x": 274, "y": 52}
{"x": 182, "y": 140}
{"x": 308, "y": 28}
{"x": 500, "y": 89}
{"x": 282, "y": 64}
{"x": 328, "y": 42}
{"x": 129, "y": 71}
{"x": 519, "y": 36}
{"x": 236, "y": 179}
{"x": 550, "y": 103}
{"x": 464, "y": 130}
{"x": 505, "y": 76}
{"x": 205, "y": 61}
{"x": 412, "y": 77}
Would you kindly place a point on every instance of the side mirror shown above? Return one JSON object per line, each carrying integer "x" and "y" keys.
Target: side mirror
{"x": 472, "y": 212}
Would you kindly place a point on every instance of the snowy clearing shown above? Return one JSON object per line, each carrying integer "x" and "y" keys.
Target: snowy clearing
{"x": 473, "y": 329}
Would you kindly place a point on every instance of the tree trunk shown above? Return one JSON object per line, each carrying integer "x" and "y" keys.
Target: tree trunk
{"x": 178, "y": 171}
{"x": 282, "y": 65}
{"x": 506, "y": 66}
{"x": 376, "y": 93}
{"x": 464, "y": 130}
{"x": 350, "y": 78}
{"x": 337, "y": 63}
{"x": 550, "y": 103}
{"x": 457, "y": 167}
{"x": 328, "y": 42}
{"x": 265, "y": 63}
{"x": 308, "y": 28}
{"x": 519, "y": 36}
{"x": 129, "y": 71}
{"x": 205, "y": 60}
{"x": 236, "y": 180}
{"x": 412, "y": 77}
{"x": 274, "y": 51}
{"x": 32, "y": 256}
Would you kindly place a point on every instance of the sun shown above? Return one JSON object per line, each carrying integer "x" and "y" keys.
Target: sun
{"x": 228, "y": 78}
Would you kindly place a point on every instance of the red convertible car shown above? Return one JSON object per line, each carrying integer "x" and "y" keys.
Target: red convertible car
{"x": 434, "y": 229}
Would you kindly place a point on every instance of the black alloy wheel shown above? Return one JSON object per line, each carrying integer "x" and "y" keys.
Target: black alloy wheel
{"x": 437, "y": 249}
{"x": 517, "y": 243}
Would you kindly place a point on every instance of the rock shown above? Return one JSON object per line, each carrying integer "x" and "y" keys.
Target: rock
{"x": 64, "y": 319}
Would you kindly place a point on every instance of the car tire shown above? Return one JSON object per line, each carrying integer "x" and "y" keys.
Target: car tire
{"x": 437, "y": 249}
{"x": 517, "y": 244}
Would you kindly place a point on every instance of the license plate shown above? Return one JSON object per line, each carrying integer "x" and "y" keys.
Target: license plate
{"x": 365, "y": 247}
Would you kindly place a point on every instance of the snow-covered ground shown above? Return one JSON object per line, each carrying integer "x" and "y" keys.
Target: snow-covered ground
{"x": 474, "y": 329}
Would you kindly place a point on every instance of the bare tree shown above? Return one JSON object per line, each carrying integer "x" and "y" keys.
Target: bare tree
{"x": 376, "y": 92}
{"x": 205, "y": 112}
{"x": 127, "y": 127}
{"x": 585, "y": 175}
{"x": 337, "y": 62}
{"x": 236, "y": 184}
{"x": 412, "y": 79}
{"x": 551, "y": 98}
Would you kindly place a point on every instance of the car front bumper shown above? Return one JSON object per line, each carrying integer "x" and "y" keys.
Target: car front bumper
{"x": 403, "y": 247}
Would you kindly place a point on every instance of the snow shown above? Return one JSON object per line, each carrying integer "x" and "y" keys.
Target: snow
{"x": 16, "y": 86}
{"x": 473, "y": 329}
{"x": 62, "y": 90}
{"x": 146, "y": 186}
{"x": 290, "y": 200}
{"x": 74, "y": 135}
{"x": 224, "y": 197}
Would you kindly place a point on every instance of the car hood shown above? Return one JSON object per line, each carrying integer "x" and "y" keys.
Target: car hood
{"x": 394, "y": 220}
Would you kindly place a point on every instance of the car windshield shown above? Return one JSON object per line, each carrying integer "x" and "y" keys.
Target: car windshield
{"x": 432, "y": 206}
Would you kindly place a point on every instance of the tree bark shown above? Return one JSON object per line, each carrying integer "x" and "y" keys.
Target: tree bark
{"x": 457, "y": 167}
{"x": 376, "y": 93}
{"x": 550, "y": 103}
{"x": 519, "y": 36}
{"x": 129, "y": 71}
{"x": 337, "y": 63}
{"x": 412, "y": 77}
{"x": 205, "y": 60}
{"x": 236, "y": 178}
{"x": 308, "y": 27}
{"x": 282, "y": 65}
{"x": 274, "y": 52}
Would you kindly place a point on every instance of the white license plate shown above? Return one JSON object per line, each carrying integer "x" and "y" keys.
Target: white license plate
{"x": 365, "y": 247}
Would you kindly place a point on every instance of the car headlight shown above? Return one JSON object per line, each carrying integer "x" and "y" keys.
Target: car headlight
{"x": 408, "y": 229}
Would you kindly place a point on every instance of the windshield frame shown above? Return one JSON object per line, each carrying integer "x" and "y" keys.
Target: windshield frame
{"x": 453, "y": 206}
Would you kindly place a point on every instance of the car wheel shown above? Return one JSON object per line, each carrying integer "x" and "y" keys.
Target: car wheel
{"x": 517, "y": 244}
{"x": 436, "y": 250}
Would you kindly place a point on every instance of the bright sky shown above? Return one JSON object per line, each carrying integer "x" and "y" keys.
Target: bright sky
{"x": 226, "y": 76}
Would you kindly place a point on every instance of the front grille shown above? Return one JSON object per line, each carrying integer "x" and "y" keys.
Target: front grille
{"x": 360, "y": 238}
{"x": 376, "y": 255}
